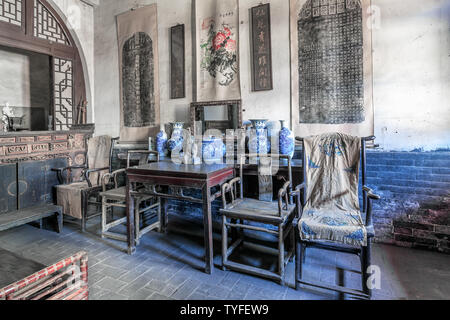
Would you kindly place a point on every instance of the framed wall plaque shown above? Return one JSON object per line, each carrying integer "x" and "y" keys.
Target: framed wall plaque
{"x": 261, "y": 48}
{"x": 177, "y": 63}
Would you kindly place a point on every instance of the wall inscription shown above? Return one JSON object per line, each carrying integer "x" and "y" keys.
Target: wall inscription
{"x": 138, "y": 81}
{"x": 330, "y": 61}
{"x": 261, "y": 48}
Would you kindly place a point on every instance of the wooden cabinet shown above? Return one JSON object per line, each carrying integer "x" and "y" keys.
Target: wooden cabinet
{"x": 28, "y": 184}
{"x": 8, "y": 188}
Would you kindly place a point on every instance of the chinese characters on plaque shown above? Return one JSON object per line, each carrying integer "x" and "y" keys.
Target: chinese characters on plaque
{"x": 261, "y": 48}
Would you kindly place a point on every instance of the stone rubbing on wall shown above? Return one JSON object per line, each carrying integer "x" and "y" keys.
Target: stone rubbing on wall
{"x": 138, "y": 81}
{"x": 331, "y": 71}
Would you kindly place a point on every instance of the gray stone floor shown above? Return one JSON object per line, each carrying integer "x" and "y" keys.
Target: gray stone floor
{"x": 169, "y": 267}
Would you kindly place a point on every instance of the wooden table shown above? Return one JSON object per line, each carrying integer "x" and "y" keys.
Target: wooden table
{"x": 203, "y": 177}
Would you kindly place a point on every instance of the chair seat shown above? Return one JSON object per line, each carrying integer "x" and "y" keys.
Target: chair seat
{"x": 257, "y": 210}
{"x": 117, "y": 194}
{"x": 120, "y": 194}
{"x": 335, "y": 226}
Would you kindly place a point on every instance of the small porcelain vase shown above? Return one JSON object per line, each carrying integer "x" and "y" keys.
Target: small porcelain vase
{"x": 161, "y": 143}
{"x": 259, "y": 142}
{"x": 177, "y": 136}
{"x": 213, "y": 149}
{"x": 287, "y": 140}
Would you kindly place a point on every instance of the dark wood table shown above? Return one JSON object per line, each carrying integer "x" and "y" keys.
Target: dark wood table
{"x": 202, "y": 177}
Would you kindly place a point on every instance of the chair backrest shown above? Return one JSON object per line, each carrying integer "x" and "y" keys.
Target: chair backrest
{"x": 263, "y": 162}
{"x": 284, "y": 198}
{"x": 144, "y": 157}
{"x": 360, "y": 158}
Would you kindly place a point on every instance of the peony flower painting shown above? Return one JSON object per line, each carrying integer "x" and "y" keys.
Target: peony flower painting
{"x": 219, "y": 52}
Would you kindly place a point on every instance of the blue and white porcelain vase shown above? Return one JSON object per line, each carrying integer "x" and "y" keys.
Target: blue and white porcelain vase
{"x": 287, "y": 140}
{"x": 177, "y": 136}
{"x": 161, "y": 143}
{"x": 213, "y": 149}
{"x": 259, "y": 142}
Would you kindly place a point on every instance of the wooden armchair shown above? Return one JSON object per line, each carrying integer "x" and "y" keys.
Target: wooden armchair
{"x": 239, "y": 211}
{"x": 334, "y": 222}
{"x": 81, "y": 185}
{"x": 114, "y": 196}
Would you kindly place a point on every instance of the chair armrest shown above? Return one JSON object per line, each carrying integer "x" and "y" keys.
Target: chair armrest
{"x": 232, "y": 188}
{"x": 60, "y": 172}
{"x": 283, "y": 193}
{"x": 87, "y": 173}
{"x": 369, "y": 196}
{"x": 370, "y": 193}
{"x": 298, "y": 189}
{"x": 113, "y": 175}
{"x": 299, "y": 195}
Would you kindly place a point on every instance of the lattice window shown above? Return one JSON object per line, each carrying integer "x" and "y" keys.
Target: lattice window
{"x": 11, "y": 11}
{"x": 63, "y": 81}
{"x": 46, "y": 26}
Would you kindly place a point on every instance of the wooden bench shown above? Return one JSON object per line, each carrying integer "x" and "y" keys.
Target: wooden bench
{"x": 24, "y": 216}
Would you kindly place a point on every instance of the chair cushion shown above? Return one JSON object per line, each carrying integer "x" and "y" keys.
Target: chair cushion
{"x": 333, "y": 225}
{"x": 257, "y": 210}
{"x": 332, "y": 211}
{"x": 69, "y": 197}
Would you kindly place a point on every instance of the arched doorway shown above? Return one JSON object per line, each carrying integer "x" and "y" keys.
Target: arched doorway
{"x": 35, "y": 26}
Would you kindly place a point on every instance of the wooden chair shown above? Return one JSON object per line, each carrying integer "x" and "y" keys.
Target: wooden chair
{"x": 78, "y": 191}
{"x": 363, "y": 251}
{"x": 116, "y": 197}
{"x": 240, "y": 210}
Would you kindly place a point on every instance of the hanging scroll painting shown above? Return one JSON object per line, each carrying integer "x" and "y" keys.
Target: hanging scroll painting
{"x": 217, "y": 50}
{"x": 139, "y": 74}
{"x": 177, "y": 63}
{"x": 261, "y": 48}
{"x": 331, "y": 57}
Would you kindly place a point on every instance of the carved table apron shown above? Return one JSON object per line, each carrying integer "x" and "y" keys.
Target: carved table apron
{"x": 203, "y": 177}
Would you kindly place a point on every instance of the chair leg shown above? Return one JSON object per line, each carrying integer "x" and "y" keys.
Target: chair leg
{"x": 298, "y": 259}
{"x": 292, "y": 245}
{"x": 224, "y": 242}
{"x": 137, "y": 219}
{"x": 281, "y": 253}
{"x": 104, "y": 214}
{"x": 159, "y": 215}
{"x": 84, "y": 209}
{"x": 365, "y": 264}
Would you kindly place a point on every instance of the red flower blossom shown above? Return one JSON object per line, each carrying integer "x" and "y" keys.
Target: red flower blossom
{"x": 219, "y": 40}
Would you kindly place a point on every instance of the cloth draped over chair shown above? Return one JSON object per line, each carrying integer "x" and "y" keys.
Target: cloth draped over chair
{"x": 70, "y": 196}
{"x": 332, "y": 210}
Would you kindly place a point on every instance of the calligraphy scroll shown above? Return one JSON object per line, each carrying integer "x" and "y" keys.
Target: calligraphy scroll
{"x": 217, "y": 50}
{"x": 331, "y": 55}
{"x": 261, "y": 48}
{"x": 139, "y": 74}
{"x": 177, "y": 65}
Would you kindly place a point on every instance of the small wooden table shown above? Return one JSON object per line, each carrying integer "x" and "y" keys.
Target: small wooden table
{"x": 203, "y": 177}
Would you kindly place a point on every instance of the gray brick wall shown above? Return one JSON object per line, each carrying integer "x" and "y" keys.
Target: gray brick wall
{"x": 415, "y": 209}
